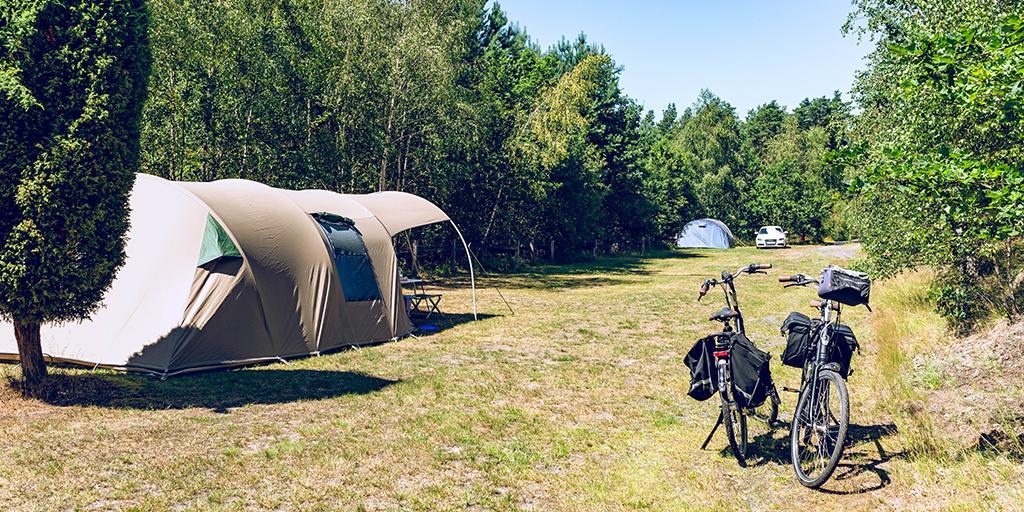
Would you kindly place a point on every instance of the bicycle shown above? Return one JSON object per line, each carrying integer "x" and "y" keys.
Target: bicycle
{"x": 731, "y": 413}
{"x": 817, "y": 434}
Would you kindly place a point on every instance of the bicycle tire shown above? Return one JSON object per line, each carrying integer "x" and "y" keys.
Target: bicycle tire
{"x": 828, "y": 380}
{"x": 734, "y": 419}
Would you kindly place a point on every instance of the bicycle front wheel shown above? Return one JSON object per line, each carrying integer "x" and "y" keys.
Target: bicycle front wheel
{"x": 735, "y": 429}
{"x": 819, "y": 426}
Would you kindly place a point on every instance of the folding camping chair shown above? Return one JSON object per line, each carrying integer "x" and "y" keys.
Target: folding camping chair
{"x": 420, "y": 301}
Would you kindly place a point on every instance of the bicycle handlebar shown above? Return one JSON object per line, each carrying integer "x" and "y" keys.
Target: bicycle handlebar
{"x": 753, "y": 268}
{"x": 797, "y": 280}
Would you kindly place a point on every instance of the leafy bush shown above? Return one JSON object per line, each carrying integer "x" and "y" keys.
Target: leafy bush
{"x": 958, "y": 300}
{"x": 942, "y": 183}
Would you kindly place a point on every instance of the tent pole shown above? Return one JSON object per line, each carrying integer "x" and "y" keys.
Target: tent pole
{"x": 472, "y": 278}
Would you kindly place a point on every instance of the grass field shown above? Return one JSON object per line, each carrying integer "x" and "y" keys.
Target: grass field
{"x": 576, "y": 402}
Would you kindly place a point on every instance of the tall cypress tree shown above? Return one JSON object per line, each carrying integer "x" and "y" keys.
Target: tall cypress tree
{"x": 72, "y": 82}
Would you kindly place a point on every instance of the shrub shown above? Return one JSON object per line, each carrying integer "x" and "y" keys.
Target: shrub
{"x": 72, "y": 82}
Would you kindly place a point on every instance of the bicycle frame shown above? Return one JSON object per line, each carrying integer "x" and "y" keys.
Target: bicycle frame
{"x": 729, "y": 289}
{"x": 823, "y": 343}
{"x": 809, "y": 383}
{"x": 811, "y": 430}
{"x": 733, "y": 302}
{"x": 722, "y": 354}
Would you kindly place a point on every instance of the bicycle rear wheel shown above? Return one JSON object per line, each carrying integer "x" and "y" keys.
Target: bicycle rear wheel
{"x": 736, "y": 429}
{"x": 818, "y": 430}
{"x": 768, "y": 412}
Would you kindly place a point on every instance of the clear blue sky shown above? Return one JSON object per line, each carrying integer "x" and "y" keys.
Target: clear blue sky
{"x": 747, "y": 52}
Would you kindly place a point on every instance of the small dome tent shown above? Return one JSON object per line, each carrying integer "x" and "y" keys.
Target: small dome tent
{"x": 705, "y": 234}
{"x": 234, "y": 272}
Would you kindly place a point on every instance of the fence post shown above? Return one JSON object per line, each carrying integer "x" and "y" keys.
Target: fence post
{"x": 551, "y": 255}
{"x": 455, "y": 254}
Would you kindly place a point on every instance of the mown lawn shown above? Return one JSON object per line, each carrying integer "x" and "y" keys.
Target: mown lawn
{"x": 576, "y": 402}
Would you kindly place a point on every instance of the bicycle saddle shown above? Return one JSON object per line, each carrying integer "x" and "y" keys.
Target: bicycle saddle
{"x": 723, "y": 315}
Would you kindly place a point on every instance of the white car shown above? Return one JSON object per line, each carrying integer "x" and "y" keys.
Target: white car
{"x": 770, "y": 236}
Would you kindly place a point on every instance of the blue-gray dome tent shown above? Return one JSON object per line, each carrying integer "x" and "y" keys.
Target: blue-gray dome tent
{"x": 705, "y": 234}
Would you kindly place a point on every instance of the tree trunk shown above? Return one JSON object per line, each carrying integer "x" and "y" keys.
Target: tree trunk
{"x": 30, "y": 351}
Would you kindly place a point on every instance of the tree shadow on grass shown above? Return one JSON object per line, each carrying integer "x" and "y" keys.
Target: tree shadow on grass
{"x": 864, "y": 454}
{"x": 218, "y": 391}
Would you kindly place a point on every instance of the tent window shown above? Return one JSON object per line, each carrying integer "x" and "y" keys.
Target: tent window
{"x": 216, "y": 243}
{"x": 355, "y": 270}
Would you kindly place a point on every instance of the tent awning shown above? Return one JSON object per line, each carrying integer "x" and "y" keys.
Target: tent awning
{"x": 399, "y": 211}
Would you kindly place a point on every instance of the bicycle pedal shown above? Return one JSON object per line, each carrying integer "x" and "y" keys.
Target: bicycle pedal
{"x": 790, "y": 390}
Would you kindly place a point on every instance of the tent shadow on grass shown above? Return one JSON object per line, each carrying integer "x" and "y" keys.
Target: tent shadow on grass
{"x": 445, "y": 322}
{"x": 218, "y": 391}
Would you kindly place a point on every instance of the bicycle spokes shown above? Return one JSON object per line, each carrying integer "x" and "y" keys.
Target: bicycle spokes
{"x": 819, "y": 429}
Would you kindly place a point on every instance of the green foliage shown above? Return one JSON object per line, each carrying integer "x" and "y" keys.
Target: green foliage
{"x": 450, "y": 100}
{"x": 791, "y": 190}
{"x": 72, "y": 82}
{"x": 943, "y": 102}
{"x": 766, "y": 170}
{"x": 763, "y": 123}
{"x": 958, "y": 300}
{"x": 831, "y": 114}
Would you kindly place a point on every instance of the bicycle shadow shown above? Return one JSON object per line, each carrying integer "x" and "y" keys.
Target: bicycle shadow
{"x": 863, "y": 461}
{"x": 864, "y": 456}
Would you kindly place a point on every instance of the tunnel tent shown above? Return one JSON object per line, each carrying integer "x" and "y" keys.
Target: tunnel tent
{"x": 234, "y": 272}
{"x": 705, "y": 234}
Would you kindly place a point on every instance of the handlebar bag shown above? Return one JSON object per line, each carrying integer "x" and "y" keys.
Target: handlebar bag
{"x": 751, "y": 374}
{"x": 844, "y": 344}
{"x": 844, "y": 286}
{"x": 797, "y": 329}
{"x": 701, "y": 362}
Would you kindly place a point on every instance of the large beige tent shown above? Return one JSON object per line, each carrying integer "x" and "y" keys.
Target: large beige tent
{"x": 234, "y": 272}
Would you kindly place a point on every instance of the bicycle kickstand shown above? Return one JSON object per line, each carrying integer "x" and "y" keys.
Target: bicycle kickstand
{"x": 713, "y": 430}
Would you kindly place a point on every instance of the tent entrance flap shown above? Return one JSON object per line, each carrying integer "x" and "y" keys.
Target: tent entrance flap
{"x": 351, "y": 259}
{"x": 216, "y": 243}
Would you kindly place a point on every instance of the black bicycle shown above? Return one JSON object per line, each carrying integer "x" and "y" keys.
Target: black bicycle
{"x": 735, "y": 402}
{"x": 823, "y": 348}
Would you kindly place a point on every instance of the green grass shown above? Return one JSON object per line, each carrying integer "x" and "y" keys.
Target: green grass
{"x": 576, "y": 402}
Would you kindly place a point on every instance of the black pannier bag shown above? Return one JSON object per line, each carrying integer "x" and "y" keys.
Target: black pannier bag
{"x": 798, "y": 329}
{"x": 751, "y": 374}
{"x": 844, "y": 344}
{"x": 845, "y": 286}
{"x": 701, "y": 362}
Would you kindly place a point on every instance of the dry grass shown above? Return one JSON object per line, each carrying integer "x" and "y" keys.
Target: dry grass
{"x": 575, "y": 403}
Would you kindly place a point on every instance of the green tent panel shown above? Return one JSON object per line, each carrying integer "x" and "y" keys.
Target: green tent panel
{"x": 216, "y": 243}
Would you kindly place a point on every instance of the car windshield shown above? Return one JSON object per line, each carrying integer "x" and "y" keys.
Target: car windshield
{"x": 764, "y": 231}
